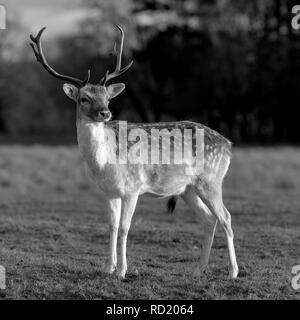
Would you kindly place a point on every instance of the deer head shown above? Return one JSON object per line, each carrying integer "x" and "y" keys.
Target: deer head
{"x": 92, "y": 99}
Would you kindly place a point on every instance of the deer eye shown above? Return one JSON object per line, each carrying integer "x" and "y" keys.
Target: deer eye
{"x": 85, "y": 100}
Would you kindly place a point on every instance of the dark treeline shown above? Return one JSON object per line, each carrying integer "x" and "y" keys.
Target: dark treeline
{"x": 232, "y": 65}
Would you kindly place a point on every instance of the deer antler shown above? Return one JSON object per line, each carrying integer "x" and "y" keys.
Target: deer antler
{"x": 118, "y": 71}
{"x": 38, "y": 51}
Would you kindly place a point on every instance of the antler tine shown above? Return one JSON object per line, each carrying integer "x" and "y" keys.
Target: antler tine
{"x": 119, "y": 55}
{"x": 87, "y": 78}
{"x": 118, "y": 70}
{"x": 38, "y": 52}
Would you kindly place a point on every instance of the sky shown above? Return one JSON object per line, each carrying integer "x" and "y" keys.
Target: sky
{"x": 60, "y": 16}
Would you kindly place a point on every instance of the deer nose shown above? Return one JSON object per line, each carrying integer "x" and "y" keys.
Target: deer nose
{"x": 104, "y": 113}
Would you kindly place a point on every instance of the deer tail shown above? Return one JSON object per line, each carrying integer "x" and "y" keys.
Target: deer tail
{"x": 172, "y": 204}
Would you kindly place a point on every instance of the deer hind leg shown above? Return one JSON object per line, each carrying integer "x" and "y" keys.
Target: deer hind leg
{"x": 213, "y": 200}
{"x": 128, "y": 207}
{"x": 114, "y": 211}
{"x": 226, "y": 224}
{"x": 209, "y": 222}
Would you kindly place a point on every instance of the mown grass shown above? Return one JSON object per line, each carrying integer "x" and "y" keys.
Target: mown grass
{"x": 54, "y": 237}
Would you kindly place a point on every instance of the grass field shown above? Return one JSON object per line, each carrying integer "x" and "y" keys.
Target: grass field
{"x": 53, "y": 235}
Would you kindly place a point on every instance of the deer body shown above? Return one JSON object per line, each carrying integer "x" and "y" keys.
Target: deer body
{"x": 160, "y": 179}
{"x": 122, "y": 183}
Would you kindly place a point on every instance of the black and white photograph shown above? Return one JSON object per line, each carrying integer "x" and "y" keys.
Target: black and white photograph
{"x": 149, "y": 151}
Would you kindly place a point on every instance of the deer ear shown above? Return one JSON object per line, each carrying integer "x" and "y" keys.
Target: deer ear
{"x": 71, "y": 91}
{"x": 115, "y": 89}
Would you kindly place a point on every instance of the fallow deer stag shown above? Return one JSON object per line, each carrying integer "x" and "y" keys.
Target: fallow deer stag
{"x": 121, "y": 183}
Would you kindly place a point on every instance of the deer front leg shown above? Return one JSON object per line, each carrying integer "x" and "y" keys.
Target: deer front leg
{"x": 128, "y": 207}
{"x": 114, "y": 212}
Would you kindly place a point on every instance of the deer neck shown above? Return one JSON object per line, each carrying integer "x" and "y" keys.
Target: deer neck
{"x": 91, "y": 141}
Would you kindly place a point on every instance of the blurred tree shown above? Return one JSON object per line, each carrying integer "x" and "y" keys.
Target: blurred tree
{"x": 230, "y": 64}
{"x": 9, "y": 48}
